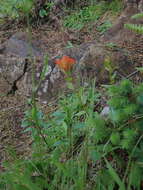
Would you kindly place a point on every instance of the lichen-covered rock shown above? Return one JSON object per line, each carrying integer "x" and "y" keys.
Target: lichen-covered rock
{"x": 17, "y": 67}
{"x": 45, "y": 88}
{"x": 21, "y": 44}
{"x": 11, "y": 67}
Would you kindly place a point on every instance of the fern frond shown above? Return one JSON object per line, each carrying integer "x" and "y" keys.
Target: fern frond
{"x": 135, "y": 27}
{"x": 138, "y": 15}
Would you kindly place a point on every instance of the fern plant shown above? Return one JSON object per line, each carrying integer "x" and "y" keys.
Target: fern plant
{"x": 135, "y": 27}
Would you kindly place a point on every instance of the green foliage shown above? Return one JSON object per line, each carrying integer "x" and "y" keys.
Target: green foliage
{"x": 19, "y": 9}
{"x": 135, "y": 27}
{"x": 104, "y": 27}
{"x": 115, "y": 138}
{"x": 124, "y": 101}
{"x": 77, "y": 19}
{"x": 138, "y": 15}
{"x": 115, "y": 176}
{"x": 52, "y": 164}
{"x": 70, "y": 140}
{"x": 115, "y": 6}
{"x": 46, "y": 10}
{"x": 15, "y": 8}
{"x": 76, "y": 148}
{"x": 93, "y": 12}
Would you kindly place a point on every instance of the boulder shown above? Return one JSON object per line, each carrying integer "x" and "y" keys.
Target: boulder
{"x": 112, "y": 55}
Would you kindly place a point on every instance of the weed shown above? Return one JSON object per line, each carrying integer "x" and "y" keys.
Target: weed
{"x": 135, "y": 27}
{"x": 104, "y": 27}
{"x": 78, "y": 18}
{"x": 14, "y": 9}
{"x": 46, "y": 10}
{"x": 76, "y": 148}
{"x": 78, "y": 139}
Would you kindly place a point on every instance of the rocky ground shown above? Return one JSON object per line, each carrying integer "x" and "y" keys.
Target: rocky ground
{"x": 90, "y": 51}
{"x": 12, "y": 107}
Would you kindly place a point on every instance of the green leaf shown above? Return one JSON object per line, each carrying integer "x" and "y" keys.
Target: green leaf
{"x": 26, "y": 123}
{"x": 115, "y": 138}
{"x": 135, "y": 176}
{"x": 138, "y": 15}
{"x": 25, "y": 5}
{"x": 114, "y": 175}
{"x": 70, "y": 86}
{"x": 140, "y": 99}
{"x": 43, "y": 13}
{"x": 95, "y": 156}
{"x": 140, "y": 69}
{"x": 79, "y": 125}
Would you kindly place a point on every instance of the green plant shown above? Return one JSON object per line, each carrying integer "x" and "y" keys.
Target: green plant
{"x": 78, "y": 139}
{"x": 55, "y": 162}
{"x": 135, "y": 27}
{"x": 115, "y": 6}
{"x": 78, "y": 18}
{"x": 46, "y": 10}
{"x": 34, "y": 118}
{"x": 16, "y": 8}
{"x": 104, "y": 27}
{"x": 76, "y": 148}
{"x": 108, "y": 65}
{"x": 125, "y": 140}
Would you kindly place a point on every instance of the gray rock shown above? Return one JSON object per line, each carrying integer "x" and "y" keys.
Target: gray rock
{"x": 20, "y": 45}
{"x": 105, "y": 112}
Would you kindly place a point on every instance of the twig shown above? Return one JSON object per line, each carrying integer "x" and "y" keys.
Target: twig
{"x": 130, "y": 75}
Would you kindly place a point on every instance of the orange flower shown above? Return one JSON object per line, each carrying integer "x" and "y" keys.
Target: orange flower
{"x": 65, "y": 63}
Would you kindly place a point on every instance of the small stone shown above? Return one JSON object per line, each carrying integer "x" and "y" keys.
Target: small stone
{"x": 38, "y": 75}
{"x": 44, "y": 89}
{"x": 105, "y": 111}
{"x": 44, "y": 102}
{"x": 39, "y": 93}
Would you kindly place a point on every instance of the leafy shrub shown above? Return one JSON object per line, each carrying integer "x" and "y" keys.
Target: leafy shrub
{"x": 83, "y": 148}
